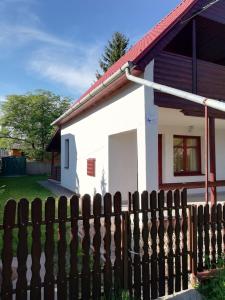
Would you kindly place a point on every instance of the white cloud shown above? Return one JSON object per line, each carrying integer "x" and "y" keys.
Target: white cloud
{"x": 2, "y": 99}
{"x": 73, "y": 69}
{"x": 19, "y": 35}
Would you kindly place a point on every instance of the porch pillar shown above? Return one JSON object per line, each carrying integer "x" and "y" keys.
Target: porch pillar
{"x": 147, "y": 139}
{"x": 212, "y": 157}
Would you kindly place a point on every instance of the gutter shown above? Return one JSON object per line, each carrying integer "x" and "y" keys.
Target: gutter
{"x": 93, "y": 93}
{"x": 216, "y": 104}
{"x": 126, "y": 68}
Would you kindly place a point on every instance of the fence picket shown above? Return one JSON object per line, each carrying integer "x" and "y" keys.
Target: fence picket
{"x": 7, "y": 251}
{"x": 213, "y": 236}
{"x": 224, "y": 227}
{"x": 219, "y": 230}
{"x": 107, "y": 247}
{"x": 177, "y": 241}
{"x": 74, "y": 244}
{"x": 206, "y": 233}
{"x": 22, "y": 249}
{"x": 129, "y": 256}
{"x": 143, "y": 263}
{"x": 200, "y": 238}
{"x": 118, "y": 266}
{"x": 49, "y": 285}
{"x": 145, "y": 237}
{"x": 136, "y": 236}
{"x": 153, "y": 231}
{"x": 96, "y": 274}
{"x": 36, "y": 217}
{"x": 170, "y": 252}
{"x": 62, "y": 245}
{"x": 85, "y": 273}
{"x": 161, "y": 255}
{"x": 184, "y": 241}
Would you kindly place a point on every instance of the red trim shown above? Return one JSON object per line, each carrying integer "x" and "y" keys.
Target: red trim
{"x": 185, "y": 147}
{"x": 160, "y": 157}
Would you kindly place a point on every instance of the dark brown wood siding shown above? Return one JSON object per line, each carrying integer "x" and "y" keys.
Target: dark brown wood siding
{"x": 216, "y": 12}
{"x": 176, "y": 71}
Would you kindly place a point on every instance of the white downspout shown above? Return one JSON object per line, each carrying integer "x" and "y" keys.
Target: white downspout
{"x": 216, "y": 104}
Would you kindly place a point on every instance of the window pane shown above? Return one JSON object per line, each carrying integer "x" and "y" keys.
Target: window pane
{"x": 178, "y": 142}
{"x": 192, "y": 160}
{"x": 191, "y": 142}
{"x": 178, "y": 160}
{"x": 67, "y": 148}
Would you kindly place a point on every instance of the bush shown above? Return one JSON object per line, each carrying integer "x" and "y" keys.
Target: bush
{"x": 214, "y": 288}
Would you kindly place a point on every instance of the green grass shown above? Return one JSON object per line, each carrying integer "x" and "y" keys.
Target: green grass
{"x": 17, "y": 188}
{"x": 21, "y": 187}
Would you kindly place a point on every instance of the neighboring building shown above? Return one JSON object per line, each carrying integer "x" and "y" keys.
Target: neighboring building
{"x": 128, "y": 137}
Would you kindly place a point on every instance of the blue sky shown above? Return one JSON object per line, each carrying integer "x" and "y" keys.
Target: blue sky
{"x": 56, "y": 44}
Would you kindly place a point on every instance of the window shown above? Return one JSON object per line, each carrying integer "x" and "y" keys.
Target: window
{"x": 67, "y": 152}
{"x": 187, "y": 155}
{"x": 91, "y": 167}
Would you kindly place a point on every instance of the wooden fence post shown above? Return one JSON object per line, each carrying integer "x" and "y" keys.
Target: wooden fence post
{"x": 7, "y": 252}
{"x": 36, "y": 215}
{"x": 194, "y": 240}
{"x": 145, "y": 238}
{"x": 107, "y": 247}
{"x": 118, "y": 266}
{"x": 170, "y": 253}
{"x": 49, "y": 279}
{"x": 137, "y": 259}
{"x": 74, "y": 244}
{"x": 85, "y": 273}
{"x": 125, "y": 249}
{"x": 22, "y": 249}
{"x": 96, "y": 275}
{"x": 62, "y": 245}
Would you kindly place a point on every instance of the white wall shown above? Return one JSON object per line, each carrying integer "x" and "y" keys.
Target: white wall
{"x": 123, "y": 162}
{"x": 89, "y": 139}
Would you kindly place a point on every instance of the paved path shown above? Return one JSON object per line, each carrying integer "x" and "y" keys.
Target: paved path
{"x": 56, "y": 188}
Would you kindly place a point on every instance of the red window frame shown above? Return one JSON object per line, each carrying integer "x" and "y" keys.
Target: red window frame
{"x": 185, "y": 147}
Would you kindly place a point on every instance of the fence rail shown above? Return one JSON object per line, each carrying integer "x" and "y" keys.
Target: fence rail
{"x": 96, "y": 253}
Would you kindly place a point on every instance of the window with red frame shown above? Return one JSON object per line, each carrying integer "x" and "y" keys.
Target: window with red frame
{"x": 187, "y": 155}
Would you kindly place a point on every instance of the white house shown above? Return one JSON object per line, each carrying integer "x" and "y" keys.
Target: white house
{"x": 124, "y": 136}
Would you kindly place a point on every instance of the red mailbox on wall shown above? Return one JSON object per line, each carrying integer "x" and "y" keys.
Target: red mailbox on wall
{"x": 91, "y": 167}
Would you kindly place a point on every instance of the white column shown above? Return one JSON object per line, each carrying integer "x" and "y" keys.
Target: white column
{"x": 147, "y": 138}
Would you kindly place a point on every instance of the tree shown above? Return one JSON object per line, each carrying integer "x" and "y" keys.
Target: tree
{"x": 26, "y": 119}
{"x": 115, "y": 48}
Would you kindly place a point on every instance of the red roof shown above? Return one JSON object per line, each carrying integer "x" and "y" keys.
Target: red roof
{"x": 138, "y": 51}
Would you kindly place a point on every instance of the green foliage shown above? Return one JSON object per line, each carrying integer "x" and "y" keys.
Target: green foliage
{"x": 26, "y": 120}
{"x": 214, "y": 288}
{"x": 115, "y": 48}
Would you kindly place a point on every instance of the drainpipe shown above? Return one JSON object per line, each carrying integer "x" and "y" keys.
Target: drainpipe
{"x": 216, "y": 104}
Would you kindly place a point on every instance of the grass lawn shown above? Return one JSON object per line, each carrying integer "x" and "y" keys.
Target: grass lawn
{"x": 17, "y": 188}
{"x": 21, "y": 187}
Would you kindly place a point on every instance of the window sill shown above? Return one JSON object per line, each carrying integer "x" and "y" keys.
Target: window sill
{"x": 188, "y": 174}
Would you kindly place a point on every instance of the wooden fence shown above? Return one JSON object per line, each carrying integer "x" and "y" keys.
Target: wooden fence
{"x": 149, "y": 250}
